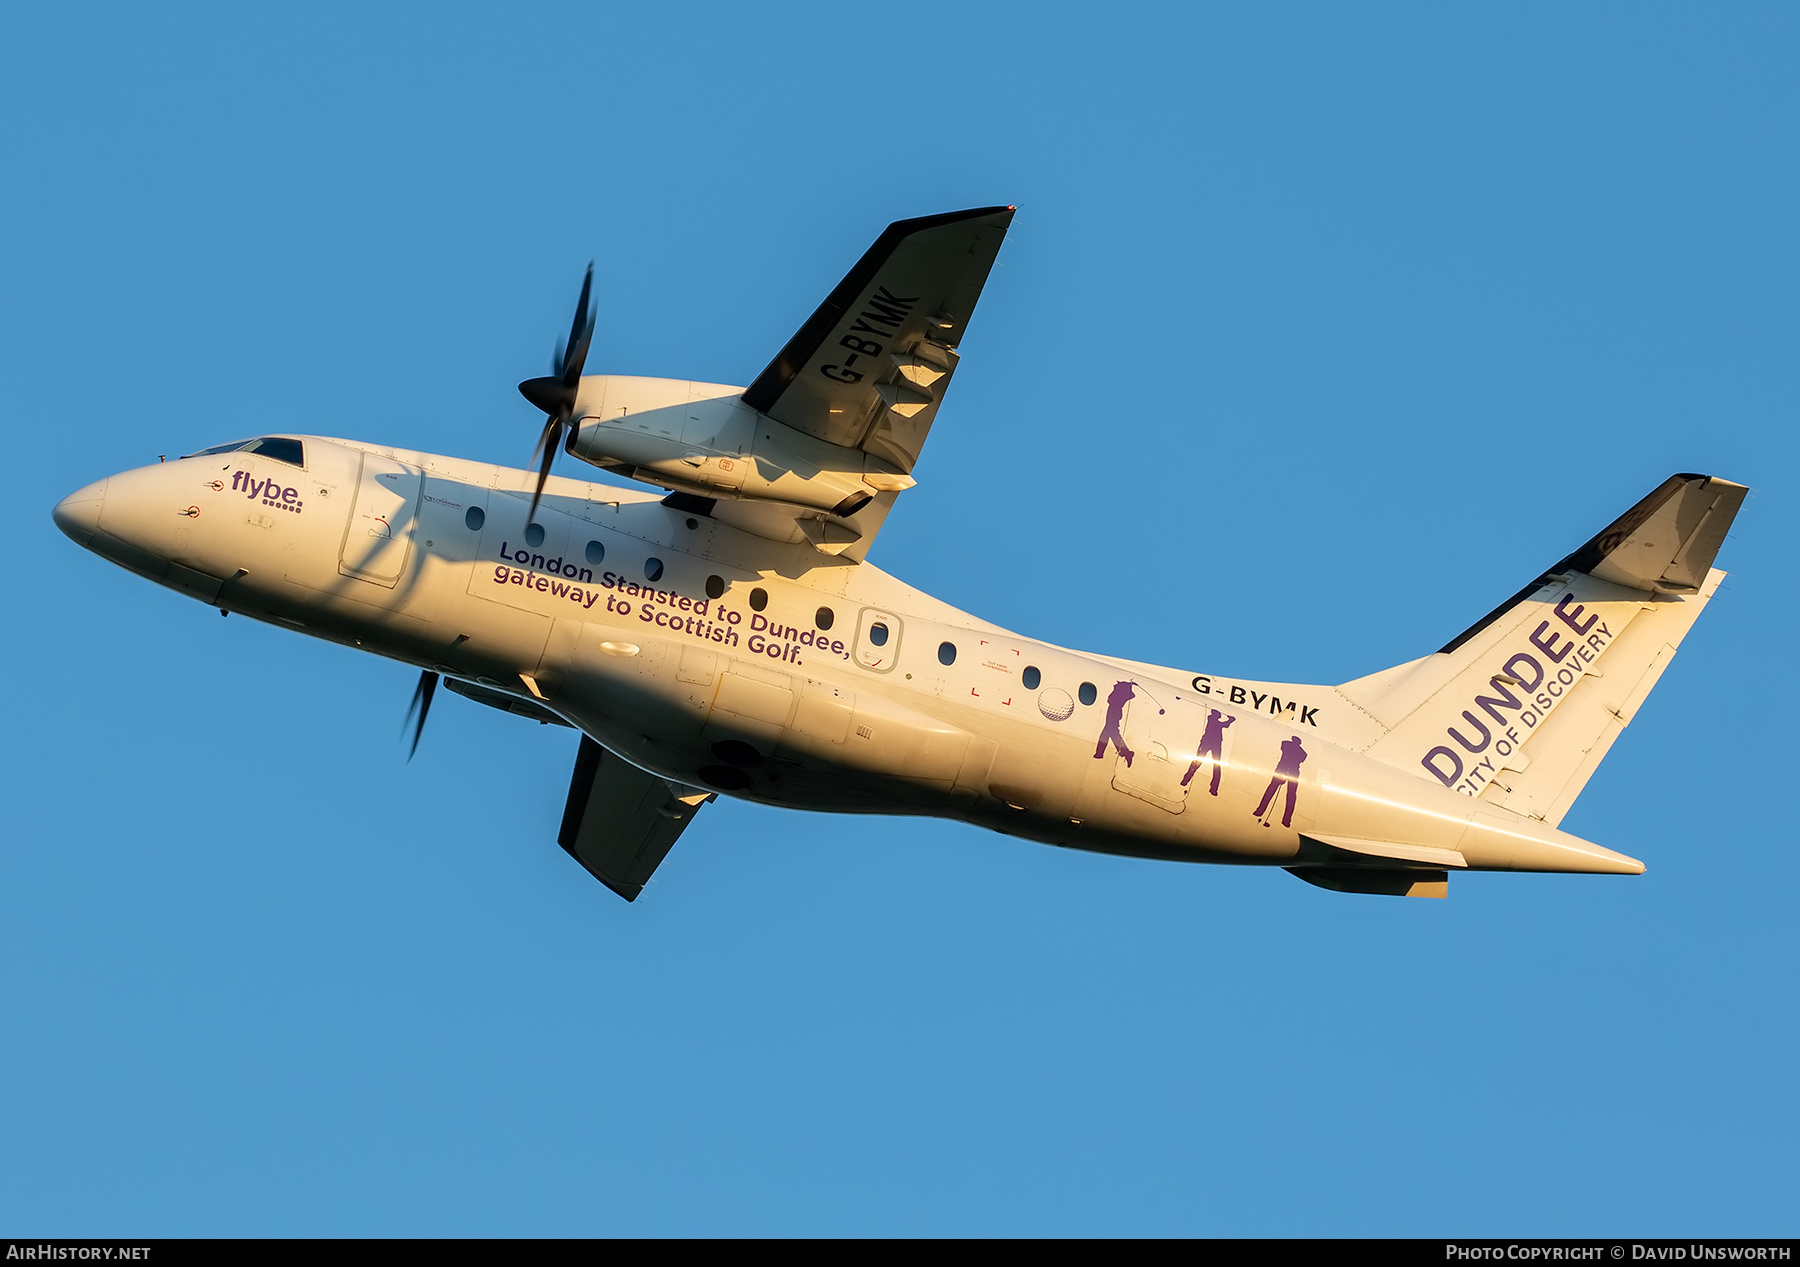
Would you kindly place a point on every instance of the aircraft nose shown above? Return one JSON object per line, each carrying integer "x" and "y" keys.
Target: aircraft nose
{"x": 78, "y": 514}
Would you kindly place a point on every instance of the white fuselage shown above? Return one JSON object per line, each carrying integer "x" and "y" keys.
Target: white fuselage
{"x": 721, "y": 660}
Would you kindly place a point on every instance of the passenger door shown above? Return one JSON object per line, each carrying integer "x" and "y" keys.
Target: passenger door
{"x": 379, "y": 535}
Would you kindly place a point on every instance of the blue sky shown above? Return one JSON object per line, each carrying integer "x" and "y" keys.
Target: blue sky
{"x": 1319, "y": 331}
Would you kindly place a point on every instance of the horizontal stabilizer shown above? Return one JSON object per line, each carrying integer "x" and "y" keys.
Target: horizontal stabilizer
{"x": 1374, "y": 880}
{"x": 621, "y": 822}
{"x": 1340, "y": 851}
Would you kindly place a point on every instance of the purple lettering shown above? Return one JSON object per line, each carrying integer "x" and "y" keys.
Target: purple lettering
{"x": 1486, "y": 735}
{"x": 1571, "y": 616}
{"x": 1492, "y": 704}
{"x": 1512, "y": 669}
{"x": 1545, "y": 641}
{"x": 1447, "y": 778}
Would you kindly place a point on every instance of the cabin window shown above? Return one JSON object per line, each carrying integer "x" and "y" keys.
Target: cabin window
{"x": 596, "y": 553}
{"x": 1031, "y": 677}
{"x": 759, "y": 598}
{"x": 653, "y": 569}
{"x": 946, "y": 653}
{"x": 878, "y": 633}
{"x": 280, "y": 448}
{"x": 1087, "y": 693}
{"x": 474, "y": 516}
{"x": 823, "y": 617}
{"x": 534, "y": 535}
{"x": 715, "y": 586}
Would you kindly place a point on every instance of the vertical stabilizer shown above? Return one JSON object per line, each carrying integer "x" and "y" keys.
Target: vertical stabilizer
{"x": 1519, "y": 709}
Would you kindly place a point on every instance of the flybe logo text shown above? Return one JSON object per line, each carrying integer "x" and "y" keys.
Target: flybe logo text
{"x": 1560, "y": 656}
{"x": 268, "y": 492}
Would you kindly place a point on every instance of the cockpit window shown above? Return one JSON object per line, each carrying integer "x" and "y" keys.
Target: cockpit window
{"x": 281, "y": 448}
{"x": 233, "y": 447}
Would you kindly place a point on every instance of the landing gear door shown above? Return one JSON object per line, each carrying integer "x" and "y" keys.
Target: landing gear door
{"x": 379, "y": 535}
{"x": 877, "y": 640}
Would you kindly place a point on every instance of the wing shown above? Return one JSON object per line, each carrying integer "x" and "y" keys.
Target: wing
{"x": 868, "y": 369}
{"x": 620, "y": 822}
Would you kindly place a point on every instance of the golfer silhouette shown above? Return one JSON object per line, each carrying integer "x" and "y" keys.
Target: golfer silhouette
{"x": 1287, "y": 771}
{"x": 1115, "y": 714}
{"x": 1212, "y": 743}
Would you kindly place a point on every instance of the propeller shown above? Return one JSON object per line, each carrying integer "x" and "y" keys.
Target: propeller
{"x": 421, "y": 702}
{"x": 556, "y": 395}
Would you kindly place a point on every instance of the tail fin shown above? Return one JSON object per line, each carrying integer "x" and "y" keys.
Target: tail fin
{"x": 1519, "y": 709}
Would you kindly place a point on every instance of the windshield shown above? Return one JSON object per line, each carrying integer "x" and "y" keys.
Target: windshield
{"x": 280, "y": 448}
{"x": 217, "y": 448}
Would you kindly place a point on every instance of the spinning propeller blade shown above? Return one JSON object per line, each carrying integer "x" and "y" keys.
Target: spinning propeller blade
{"x": 421, "y": 701}
{"x": 556, "y": 395}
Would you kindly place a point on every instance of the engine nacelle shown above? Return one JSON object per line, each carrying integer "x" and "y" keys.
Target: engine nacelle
{"x": 702, "y": 438}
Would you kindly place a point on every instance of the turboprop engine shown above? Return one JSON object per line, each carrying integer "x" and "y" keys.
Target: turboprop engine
{"x": 702, "y": 439}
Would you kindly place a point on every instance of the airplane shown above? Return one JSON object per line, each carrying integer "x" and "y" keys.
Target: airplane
{"x": 721, "y": 632}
